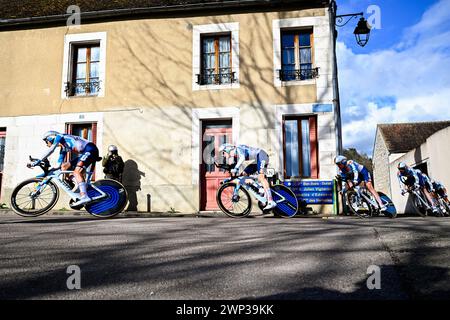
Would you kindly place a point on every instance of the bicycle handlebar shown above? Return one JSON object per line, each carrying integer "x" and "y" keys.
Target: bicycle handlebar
{"x": 226, "y": 167}
{"x": 44, "y": 164}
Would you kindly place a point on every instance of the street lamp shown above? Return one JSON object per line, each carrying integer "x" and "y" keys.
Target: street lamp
{"x": 362, "y": 34}
{"x": 362, "y": 30}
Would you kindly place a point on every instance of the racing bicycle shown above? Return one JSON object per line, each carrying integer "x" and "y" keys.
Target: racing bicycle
{"x": 235, "y": 194}
{"x": 422, "y": 206}
{"x": 36, "y": 196}
{"x": 363, "y": 204}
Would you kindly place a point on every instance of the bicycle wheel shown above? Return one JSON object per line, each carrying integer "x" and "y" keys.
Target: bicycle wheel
{"x": 442, "y": 208}
{"x": 29, "y": 199}
{"x": 419, "y": 208}
{"x": 391, "y": 211}
{"x": 447, "y": 208}
{"x": 113, "y": 204}
{"x": 358, "y": 206}
{"x": 235, "y": 206}
{"x": 287, "y": 203}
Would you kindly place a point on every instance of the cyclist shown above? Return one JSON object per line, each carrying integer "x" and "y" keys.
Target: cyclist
{"x": 244, "y": 153}
{"x": 440, "y": 190}
{"x": 354, "y": 173}
{"x": 410, "y": 178}
{"x": 87, "y": 155}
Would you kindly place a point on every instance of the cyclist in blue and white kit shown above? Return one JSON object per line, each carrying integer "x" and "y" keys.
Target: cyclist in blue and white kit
{"x": 245, "y": 153}
{"x": 414, "y": 178}
{"x": 87, "y": 154}
{"x": 354, "y": 173}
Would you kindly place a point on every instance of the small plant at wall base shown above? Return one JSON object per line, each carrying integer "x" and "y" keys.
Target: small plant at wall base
{"x": 3, "y": 206}
{"x": 172, "y": 210}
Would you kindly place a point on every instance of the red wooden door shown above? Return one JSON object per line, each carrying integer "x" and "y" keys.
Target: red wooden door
{"x": 214, "y": 134}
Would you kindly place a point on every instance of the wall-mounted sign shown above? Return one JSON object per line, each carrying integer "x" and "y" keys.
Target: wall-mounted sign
{"x": 312, "y": 191}
{"x": 319, "y": 107}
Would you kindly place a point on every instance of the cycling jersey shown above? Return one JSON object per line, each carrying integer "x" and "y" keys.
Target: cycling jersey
{"x": 245, "y": 153}
{"x": 413, "y": 177}
{"x": 439, "y": 188}
{"x": 88, "y": 152}
{"x": 358, "y": 171}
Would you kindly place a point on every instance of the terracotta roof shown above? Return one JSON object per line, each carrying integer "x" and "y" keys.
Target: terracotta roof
{"x": 19, "y": 9}
{"x": 403, "y": 137}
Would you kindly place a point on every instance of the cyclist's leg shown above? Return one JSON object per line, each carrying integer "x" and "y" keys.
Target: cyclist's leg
{"x": 428, "y": 196}
{"x": 444, "y": 194}
{"x": 89, "y": 157}
{"x": 262, "y": 161}
{"x": 368, "y": 181}
{"x": 427, "y": 190}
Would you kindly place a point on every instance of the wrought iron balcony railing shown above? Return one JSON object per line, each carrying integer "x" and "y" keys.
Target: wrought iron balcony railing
{"x": 82, "y": 88}
{"x": 216, "y": 78}
{"x": 295, "y": 75}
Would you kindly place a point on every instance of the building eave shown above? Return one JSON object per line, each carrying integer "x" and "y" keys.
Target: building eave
{"x": 191, "y": 9}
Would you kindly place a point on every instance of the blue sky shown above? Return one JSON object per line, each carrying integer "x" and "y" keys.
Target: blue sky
{"x": 402, "y": 75}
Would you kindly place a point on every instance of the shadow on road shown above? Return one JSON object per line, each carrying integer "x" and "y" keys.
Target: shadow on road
{"x": 216, "y": 258}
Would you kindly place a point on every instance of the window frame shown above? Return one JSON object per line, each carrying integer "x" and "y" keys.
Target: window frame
{"x": 313, "y": 142}
{"x": 76, "y": 40}
{"x": 74, "y": 65}
{"x": 296, "y": 31}
{"x": 211, "y": 29}
{"x": 216, "y": 37}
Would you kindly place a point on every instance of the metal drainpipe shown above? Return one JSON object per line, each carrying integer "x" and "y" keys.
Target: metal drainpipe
{"x": 339, "y": 147}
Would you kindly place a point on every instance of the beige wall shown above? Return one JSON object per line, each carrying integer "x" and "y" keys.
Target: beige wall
{"x": 147, "y": 110}
{"x": 148, "y": 64}
{"x": 381, "y": 165}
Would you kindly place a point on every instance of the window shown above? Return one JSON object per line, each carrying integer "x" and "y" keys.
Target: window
{"x": 215, "y": 56}
{"x": 84, "y": 65}
{"x": 300, "y": 147}
{"x": 85, "y": 70}
{"x": 216, "y": 60}
{"x": 297, "y": 55}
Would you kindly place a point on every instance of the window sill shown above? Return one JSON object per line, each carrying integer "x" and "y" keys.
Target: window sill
{"x": 198, "y": 87}
{"x": 298, "y": 83}
{"x": 83, "y": 96}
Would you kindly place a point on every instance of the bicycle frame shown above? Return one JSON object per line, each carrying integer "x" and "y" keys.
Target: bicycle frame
{"x": 362, "y": 193}
{"x": 419, "y": 196}
{"x": 56, "y": 175}
{"x": 240, "y": 182}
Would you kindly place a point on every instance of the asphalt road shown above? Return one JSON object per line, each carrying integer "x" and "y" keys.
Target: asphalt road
{"x": 224, "y": 258}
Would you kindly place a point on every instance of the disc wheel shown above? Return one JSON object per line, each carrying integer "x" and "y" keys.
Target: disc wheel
{"x": 114, "y": 203}
{"x": 391, "y": 211}
{"x": 287, "y": 203}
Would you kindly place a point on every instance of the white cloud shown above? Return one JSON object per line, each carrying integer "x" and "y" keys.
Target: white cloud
{"x": 408, "y": 83}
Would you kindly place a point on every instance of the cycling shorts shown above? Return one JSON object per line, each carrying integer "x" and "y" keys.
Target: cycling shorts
{"x": 365, "y": 176}
{"x": 89, "y": 156}
{"x": 262, "y": 161}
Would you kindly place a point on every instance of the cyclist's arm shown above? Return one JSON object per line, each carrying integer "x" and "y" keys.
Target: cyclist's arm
{"x": 52, "y": 148}
{"x": 355, "y": 173}
{"x": 416, "y": 177}
{"x": 402, "y": 185}
{"x": 241, "y": 159}
{"x": 62, "y": 156}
